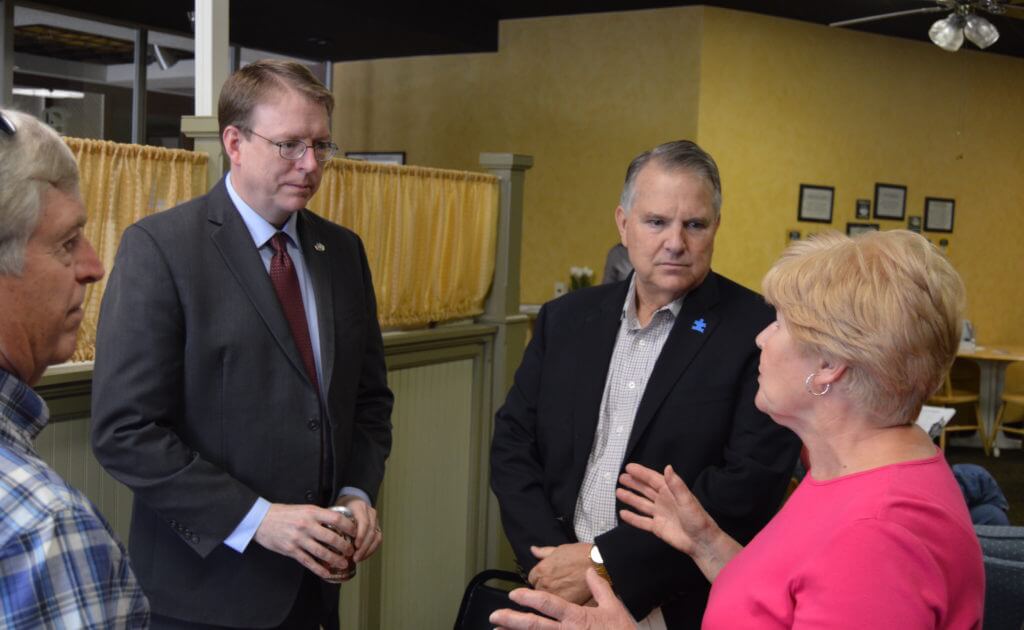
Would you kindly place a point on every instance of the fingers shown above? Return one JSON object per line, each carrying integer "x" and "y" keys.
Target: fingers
{"x": 645, "y": 523}
{"x": 338, "y": 522}
{"x": 642, "y": 504}
{"x": 367, "y": 534}
{"x": 299, "y": 532}
{"x": 600, "y": 588}
{"x": 375, "y": 538}
{"x": 677, "y": 486}
{"x": 547, "y": 603}
{"x": 506, "y": 619}
{"x": 643, "y": 480}
{"x": 541, "y": 552}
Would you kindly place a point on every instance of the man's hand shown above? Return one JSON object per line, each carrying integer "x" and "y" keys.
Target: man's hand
{"x": 299, "y": 532}
{"x": 609, "y": 614}
{"x": 368, "y": 535}
{"x": 561, "y": 571}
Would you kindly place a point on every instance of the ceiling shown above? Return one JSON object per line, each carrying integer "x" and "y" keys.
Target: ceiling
{"x": 345, "y": 31}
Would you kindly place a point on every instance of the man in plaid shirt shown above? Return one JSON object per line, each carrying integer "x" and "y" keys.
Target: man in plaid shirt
{"x": 60, "y": 565}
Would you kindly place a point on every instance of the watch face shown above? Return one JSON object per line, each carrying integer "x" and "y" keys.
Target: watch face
{"x": 595, "y": 555}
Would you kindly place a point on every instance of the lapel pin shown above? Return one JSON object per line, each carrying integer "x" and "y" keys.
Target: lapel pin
{"x": 700, "y": 325}
{"x": 319, "y": 247}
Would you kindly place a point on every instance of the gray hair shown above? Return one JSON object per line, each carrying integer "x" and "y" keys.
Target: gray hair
{"x": 681, "y": 155}
{"x": 32, "y": 160}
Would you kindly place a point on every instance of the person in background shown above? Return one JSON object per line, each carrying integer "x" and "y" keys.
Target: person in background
{"x": 240, "y": 388}
{"x": 60, "y": 563}
{"x": 616, "y": 266}
{"x": 658, "y": 370}
{"x": 985, "y": 499}
{"x": 877, "y": 535}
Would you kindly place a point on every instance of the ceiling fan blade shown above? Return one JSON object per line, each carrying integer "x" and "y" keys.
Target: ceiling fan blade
{"x": 885, "y": 16}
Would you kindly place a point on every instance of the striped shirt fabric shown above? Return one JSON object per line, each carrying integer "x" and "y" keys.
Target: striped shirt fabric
{"x": 636, "y": 351}
{"x": 60, "y": 564}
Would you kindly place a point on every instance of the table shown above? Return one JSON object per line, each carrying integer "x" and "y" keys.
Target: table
{"x": 993, "y": 361}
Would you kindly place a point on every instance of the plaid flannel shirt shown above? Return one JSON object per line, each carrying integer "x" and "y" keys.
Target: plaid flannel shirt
{"x": 60, "y": 564}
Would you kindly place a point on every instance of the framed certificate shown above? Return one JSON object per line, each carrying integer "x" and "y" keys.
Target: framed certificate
{"x": 938, "y": 214}
{"x": 853, "y": 229}
{"x": 815, "y": 203}
{"x": 890, "y": 201}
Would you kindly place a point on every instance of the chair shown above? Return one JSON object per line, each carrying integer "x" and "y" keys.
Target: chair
{"x": 481, "y": 599}
{"x": 1008, "y": 399}
{"x": 1002, "y": 549}
{"x": 947, "y": 396}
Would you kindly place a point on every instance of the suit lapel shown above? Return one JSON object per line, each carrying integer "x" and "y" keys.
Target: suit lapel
{"x": 597, "y": 342}
{"x": 233, "y": 241}
{"x": 318, "y": 260}
{"x": 684, "y": 342}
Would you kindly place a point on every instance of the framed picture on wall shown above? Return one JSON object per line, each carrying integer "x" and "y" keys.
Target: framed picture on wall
{"x": 938, "y": 214}
{"x": 853, "y": 229}
{"x": 890, "y": 201}
{"x": 383, "y": 157}
{"x": 815, "y": 203}
{"x": 863, "y": 209}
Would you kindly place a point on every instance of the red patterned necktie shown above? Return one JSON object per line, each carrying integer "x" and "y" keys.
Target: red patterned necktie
{"x": 286, "y": 284}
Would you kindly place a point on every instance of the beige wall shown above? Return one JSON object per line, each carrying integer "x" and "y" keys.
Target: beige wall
{"x": 778, "y": 103}
{"x": 582, "y": 94}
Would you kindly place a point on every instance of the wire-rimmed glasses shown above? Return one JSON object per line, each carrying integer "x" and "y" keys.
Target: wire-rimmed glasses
{"x": 295, "y": 149}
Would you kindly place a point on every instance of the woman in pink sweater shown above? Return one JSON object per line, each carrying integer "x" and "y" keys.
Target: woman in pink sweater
{"x": 877, "y": 535}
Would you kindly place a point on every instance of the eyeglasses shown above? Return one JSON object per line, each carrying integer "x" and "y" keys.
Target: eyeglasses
{"x": 295, "y": 149}
{"x": 6, "y": 125}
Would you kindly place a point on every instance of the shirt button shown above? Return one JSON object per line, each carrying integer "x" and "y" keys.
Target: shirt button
{"x": 310, "y": 496}
{"x": 313, "y": 425}
{"x": 607, "y": 475}
{"x": 631, "y": 385}
{"x": 618, "y": 429}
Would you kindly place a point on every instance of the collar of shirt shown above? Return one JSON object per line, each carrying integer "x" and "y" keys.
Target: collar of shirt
{"x": 629, "y": 306}
{"x": 259, "y": 228}
{"x": 23, "y": 414}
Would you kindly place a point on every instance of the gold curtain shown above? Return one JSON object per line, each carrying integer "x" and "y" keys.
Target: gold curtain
{"x": 121, "y": 183}
{"x": 430, "y": 235}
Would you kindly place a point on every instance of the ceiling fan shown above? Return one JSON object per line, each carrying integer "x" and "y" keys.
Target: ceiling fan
{"x": 963, "y": 19}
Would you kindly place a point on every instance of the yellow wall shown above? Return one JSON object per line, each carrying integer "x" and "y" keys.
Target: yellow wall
{"x": 583, "y": 95}
{"x": 785, "y": 102}
{"x": 777, "y": 102}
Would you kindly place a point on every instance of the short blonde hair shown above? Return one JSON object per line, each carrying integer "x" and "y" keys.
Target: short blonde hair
{"x": 887, "y": 304}
{"x": 31, "y": 161}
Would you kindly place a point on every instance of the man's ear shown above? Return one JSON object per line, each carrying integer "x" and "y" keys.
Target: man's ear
{"x": 232, "y": 139}
{"x": 620, "y": 222}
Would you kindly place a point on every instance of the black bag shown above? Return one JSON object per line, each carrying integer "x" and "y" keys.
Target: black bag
{"x": 481, "y": 599}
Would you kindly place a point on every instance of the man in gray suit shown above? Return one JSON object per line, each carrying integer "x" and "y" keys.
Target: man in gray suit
{"x": 240, "y": 385}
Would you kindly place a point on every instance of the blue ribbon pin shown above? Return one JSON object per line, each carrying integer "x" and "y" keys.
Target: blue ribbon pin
{"x": 700, "y": 325}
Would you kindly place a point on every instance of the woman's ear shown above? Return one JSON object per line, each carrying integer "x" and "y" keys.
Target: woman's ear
{"x": 830, "y": 371}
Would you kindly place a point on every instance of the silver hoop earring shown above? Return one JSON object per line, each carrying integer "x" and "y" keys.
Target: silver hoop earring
{"x": 807, "y": 385}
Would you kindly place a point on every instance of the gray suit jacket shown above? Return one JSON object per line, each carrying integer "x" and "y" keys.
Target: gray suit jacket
{"x": 201, "y": 402}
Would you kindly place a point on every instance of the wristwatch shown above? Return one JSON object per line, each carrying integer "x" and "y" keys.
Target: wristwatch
{"x": 598, "y": 563}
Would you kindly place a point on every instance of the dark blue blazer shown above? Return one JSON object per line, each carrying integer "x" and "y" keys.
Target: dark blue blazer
{"x": 697, "y": 413}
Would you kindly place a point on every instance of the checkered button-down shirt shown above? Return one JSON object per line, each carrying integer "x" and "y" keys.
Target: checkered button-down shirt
{"x": 636, "y": 350}
{"x": 60, "y": 565}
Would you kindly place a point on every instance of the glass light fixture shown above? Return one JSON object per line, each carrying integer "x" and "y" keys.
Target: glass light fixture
{"x": 948, "y": 34}
{"x": 980, "y": 31}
